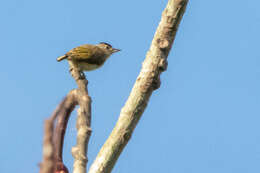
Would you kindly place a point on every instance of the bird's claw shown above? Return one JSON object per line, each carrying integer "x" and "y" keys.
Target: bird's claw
{"x": 82, "y": 75}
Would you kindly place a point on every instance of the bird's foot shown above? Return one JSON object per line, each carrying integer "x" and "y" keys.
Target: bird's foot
{"x": 78, "y": 75}
{"x": 82, "y": 75}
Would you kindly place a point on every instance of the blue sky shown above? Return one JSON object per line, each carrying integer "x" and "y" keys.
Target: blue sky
{"x": 204, "y": 118}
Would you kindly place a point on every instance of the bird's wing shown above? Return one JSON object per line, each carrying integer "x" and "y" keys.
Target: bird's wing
{"x": 87, "y": 53}
{"x": 82, "y": 52}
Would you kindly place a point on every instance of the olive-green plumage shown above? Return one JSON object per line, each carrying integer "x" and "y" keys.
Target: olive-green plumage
{"x": 89, "y": 57}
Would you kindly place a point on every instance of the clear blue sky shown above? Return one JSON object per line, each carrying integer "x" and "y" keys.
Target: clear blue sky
{"x": 204, "y": 118}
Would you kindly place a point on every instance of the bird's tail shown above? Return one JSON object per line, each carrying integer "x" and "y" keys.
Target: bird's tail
{"x": 62, "y": 58}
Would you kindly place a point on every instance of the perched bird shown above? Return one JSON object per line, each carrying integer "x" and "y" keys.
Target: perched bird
{"x": 89, "y": 57}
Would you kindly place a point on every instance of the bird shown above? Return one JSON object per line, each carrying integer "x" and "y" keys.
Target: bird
{"x": 89, "y": 57}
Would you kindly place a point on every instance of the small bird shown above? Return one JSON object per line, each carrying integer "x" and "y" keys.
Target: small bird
{"x": 89, "y": 57}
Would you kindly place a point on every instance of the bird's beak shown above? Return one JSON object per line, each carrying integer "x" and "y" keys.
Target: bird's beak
{"x": 116, "y": 50}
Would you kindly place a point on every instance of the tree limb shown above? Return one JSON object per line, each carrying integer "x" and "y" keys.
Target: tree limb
{"x": 147, "y": 81}
{"x": 79, "y": 151}
{"x": 49, "y": 163}
{"x": 68, "y": 106}
{"x": 53, "y": 139}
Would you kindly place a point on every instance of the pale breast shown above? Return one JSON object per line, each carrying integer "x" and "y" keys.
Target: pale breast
{"x": 87, "y": 67}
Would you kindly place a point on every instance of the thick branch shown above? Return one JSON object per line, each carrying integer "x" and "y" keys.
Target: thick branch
{"x": 147, "y": 81}
{"x": 79, "y": 151}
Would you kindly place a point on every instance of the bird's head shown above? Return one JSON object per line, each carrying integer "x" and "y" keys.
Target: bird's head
{"x": 107, "y": 48}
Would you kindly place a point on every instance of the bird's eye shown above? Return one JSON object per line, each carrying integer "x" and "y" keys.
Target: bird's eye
{"x": 108, "y": 47}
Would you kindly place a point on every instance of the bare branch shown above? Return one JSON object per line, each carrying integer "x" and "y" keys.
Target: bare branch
{"x": 147, "y": 81}
{"x": 79, "y": 151}
{"x": 69, "y": 104}
{"x": 53, "y": 143}
{"x": 48, "y": 164}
